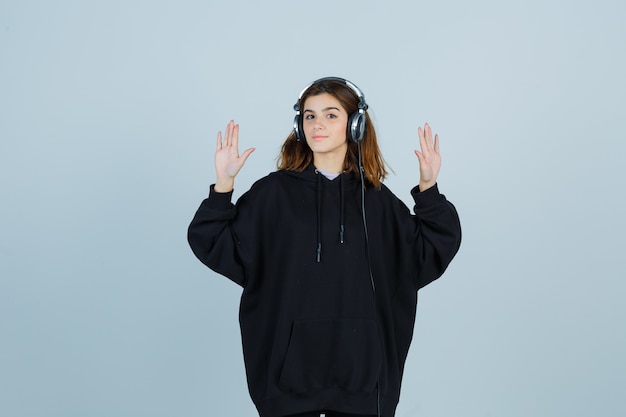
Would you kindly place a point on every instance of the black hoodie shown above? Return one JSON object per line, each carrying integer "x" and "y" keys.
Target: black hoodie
{"x": 323, "y": 327}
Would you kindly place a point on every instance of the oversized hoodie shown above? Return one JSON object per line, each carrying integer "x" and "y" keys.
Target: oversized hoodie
{"x": 328, "y": 305}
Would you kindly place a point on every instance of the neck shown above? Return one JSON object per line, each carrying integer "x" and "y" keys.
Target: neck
{"x": 332, "y": 163}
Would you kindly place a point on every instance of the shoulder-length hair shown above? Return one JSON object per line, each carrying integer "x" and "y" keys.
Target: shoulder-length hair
{"x": 295, "y": 155}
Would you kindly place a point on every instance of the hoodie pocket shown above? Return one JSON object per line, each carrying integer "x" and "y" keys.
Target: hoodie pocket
{"x": 332, "y": 353}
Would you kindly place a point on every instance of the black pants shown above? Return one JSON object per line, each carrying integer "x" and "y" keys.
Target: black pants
{"x": 331, "y": 414}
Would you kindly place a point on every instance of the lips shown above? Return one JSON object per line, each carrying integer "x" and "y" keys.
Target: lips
{"x": 319, "y": 137}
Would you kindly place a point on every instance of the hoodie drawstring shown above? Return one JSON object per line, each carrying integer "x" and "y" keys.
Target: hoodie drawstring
{"x": 319, "y": 216}
{"x": 318, "y": 251}
{"x": 341, "y": 228}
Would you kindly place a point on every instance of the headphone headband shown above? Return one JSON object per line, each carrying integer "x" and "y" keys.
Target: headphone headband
{"x": 350, "y": 85}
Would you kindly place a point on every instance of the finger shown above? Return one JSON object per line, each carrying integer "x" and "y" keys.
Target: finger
{"x": 428, "y": 134}
{"x": 229, "y": 132}
{"x": 419, "y": 155}
{"x": 437, "y": 143}
{"x": 422, "y": 136}
{"x": 235, "y": 138}
{"x": 219, "y": 141}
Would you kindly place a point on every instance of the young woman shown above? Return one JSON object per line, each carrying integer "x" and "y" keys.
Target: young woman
{"x": 329, "y": 259}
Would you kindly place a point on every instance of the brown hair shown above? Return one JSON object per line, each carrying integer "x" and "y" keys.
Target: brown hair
{"x": 296, "y": 155}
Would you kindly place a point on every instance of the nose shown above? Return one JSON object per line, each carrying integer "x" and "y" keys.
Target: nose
{"x": 317, "y": 123}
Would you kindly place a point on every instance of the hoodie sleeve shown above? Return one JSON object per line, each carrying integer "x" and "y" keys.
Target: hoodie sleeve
{"x": 212, "y": 238}
{"x": 438, "y": 233}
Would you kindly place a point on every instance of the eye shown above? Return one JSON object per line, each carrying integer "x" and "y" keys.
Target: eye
{"x": 309, "y": 116}
{"x": 331, "y": 116}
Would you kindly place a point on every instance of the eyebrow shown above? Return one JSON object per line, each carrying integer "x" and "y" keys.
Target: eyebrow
{"x": 323, "y": 110}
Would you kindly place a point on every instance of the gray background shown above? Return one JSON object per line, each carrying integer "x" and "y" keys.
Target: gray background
{"x": 108, "y": 117}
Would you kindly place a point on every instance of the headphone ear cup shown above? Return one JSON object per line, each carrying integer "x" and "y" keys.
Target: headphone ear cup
{"x": 297, "y": 126}
{"x": 357, "y": 126}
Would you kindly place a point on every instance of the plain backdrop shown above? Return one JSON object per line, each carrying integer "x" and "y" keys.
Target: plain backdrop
{"x": 108, "y": 116}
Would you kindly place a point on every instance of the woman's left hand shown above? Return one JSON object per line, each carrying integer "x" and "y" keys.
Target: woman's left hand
{"x": 429, "y": 158}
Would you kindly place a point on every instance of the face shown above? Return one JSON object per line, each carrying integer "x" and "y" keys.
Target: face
{"x": 324, "y": 123}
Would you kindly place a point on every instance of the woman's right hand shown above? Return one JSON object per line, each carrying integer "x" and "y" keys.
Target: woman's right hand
{"x": 227, "y": 159}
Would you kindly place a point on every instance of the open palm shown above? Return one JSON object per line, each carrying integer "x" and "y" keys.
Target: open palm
{"x": 429, "y": 157}
{"x": 228, "y": 162}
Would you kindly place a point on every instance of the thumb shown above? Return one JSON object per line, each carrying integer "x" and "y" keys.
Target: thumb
{"x": 246, "y": 154}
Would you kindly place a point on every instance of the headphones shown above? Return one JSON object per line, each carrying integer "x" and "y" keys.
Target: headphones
{"x": 356, "y": 121}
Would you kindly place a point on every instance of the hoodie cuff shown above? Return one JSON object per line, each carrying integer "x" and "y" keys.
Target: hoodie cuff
{"x": 219, "y": 200}
{"x": 426, "y": 198}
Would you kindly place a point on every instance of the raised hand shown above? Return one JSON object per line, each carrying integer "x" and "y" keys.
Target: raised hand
{"x": 227, "y": 159}
{"x": 429, "y": 158}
